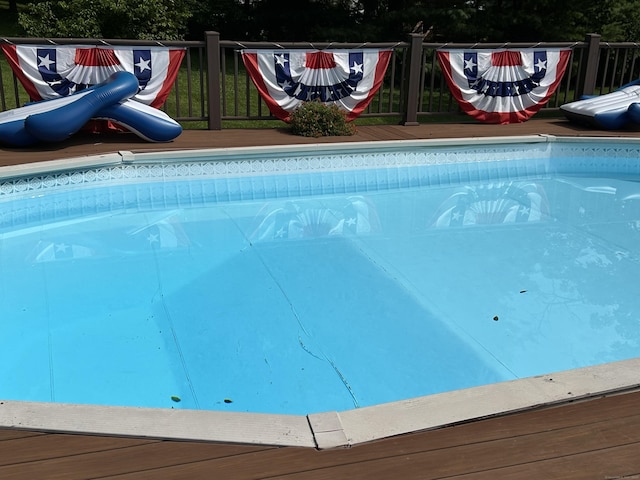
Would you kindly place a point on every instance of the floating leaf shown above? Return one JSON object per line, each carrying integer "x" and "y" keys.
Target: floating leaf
{"x": 228, "y": 400}
{"x": 175, "y": 398}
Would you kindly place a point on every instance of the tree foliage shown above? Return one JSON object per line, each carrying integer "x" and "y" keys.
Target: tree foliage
{"x": 336, "y": 20}
{"x": 148, "y": 20}
{"x": 623, "y": 21}
{"x": 234, "y": 20}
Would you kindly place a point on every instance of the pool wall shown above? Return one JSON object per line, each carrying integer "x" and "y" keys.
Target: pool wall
{"x": 246, "y": 174}
{"x": 253, "y": 173}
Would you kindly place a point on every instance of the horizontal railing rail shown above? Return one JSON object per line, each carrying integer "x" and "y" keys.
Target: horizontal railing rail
{"x": 213, "y": 88}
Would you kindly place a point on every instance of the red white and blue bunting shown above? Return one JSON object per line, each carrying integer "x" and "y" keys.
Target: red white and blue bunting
{"x": 287, "y": 78}
{"x": 503, "y": 86}
{"x": 52, "y": 71}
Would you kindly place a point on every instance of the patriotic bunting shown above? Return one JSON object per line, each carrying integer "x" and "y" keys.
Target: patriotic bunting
{"x": 47, "y": 71}
{"x": 503, "y": 86}
{"x": 287, "y": 78}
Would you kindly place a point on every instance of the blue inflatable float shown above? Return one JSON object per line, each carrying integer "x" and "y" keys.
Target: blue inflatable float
{"x": 147, "y": 122}
{"x": 611, "y": 111}
{"x": 58, "y": 119}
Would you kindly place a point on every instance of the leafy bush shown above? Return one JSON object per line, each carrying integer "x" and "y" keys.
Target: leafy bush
{"x": 317, "y": 119}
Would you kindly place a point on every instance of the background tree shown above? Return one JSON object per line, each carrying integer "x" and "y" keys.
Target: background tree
{"x": 543, "y": 20}
{"x": 303, "y": 20}
{"x": 622, "y": 21}
{"x": 148, "y": 20}
{"x": 336, "y": 20}
{"x": 234, "y": 20}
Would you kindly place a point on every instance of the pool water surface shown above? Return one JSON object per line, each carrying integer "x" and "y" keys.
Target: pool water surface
{"x": 316, "y": 300}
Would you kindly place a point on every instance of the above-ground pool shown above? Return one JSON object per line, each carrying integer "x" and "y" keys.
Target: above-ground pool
{"x": 311, "y": 280}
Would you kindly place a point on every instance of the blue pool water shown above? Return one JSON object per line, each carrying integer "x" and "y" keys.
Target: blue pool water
{"x": 329, "y": 287}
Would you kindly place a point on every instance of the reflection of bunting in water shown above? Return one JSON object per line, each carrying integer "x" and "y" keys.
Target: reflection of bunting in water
{"x": 503, "y": 86}
{"x": 512, "y": 202}
{"x": 163, "y": 233}
{"x": 311, "y": 218}
{"x": 55, "y": 251}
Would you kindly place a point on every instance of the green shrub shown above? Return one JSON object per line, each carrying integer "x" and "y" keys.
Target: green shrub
{"x": 317, "y": 119}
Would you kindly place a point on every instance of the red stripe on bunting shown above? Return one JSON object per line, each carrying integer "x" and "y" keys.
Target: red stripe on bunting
{"x": 381, "y": 67}
{"x": 508, "y": 58}
{"x": 480, "y": 115}
{"x": 175, "y": 60}
{"x": 319, "y": 60}
{"x": 11, "y": 54}
{"x": 251, "y": 64}
{"x": 95, "y": 57}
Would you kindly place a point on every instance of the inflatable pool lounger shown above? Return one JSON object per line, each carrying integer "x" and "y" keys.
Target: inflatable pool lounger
{"x": 58, "y": 119}
{"x": 611, "y": 111}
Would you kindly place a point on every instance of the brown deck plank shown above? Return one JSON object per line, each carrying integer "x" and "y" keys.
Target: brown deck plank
{"x": 618, "y": 463}
{"x": 28, "y": 449}
{"x": 488, "y": 455}
{"x": 10, "y": 434}
{"x": 72, "y": 464}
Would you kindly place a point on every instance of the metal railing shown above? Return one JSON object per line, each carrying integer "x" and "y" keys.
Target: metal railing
{"x": 213, "y": 86}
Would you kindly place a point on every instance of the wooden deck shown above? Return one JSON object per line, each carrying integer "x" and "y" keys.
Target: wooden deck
{"x": 594, "y": 439}
{"x": 598, "y": 438}
{"x": 91, "y": 144}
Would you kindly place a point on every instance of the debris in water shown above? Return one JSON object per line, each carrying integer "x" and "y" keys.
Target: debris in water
{"x": 228, "y": 400}
{"x": 495, "y": 319}
{"x": 175, "y": 398}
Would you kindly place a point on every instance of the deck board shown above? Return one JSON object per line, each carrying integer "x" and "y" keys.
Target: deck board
{"x": 620, "y": 463}
{"x": 13, "y": 434}
{"x": 29, "y": 449}
{"x": 508, "y": 452}
{"x": 597, "y": 438}
{"x": 107, "y": 456}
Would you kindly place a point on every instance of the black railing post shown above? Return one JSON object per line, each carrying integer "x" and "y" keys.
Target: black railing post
{"x": 589, "y": 73}
{"x": 212, "y": 40}
{"x": 413, "y": 75}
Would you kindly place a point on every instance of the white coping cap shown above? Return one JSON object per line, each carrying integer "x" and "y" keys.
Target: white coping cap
{"x": 328, "y": 429}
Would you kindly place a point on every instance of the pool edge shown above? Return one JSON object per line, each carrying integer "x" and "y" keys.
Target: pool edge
{"x": 127, "y": 157}
{"x": 327, "y": 429}
{"x": 385, "y": 420}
